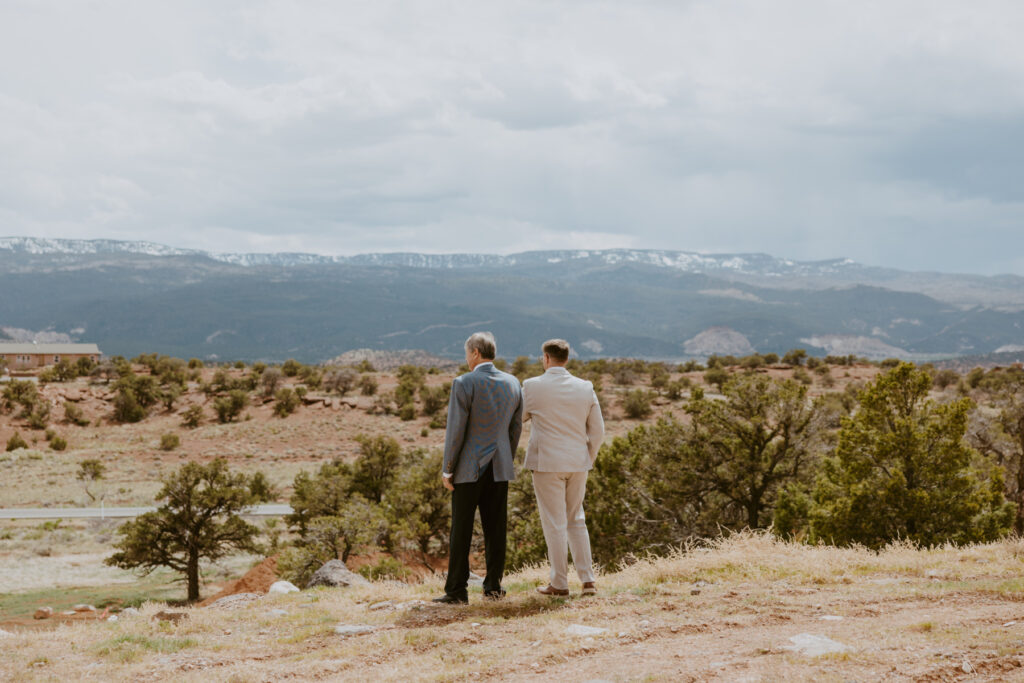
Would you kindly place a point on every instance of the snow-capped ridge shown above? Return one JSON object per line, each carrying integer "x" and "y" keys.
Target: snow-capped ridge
{"x": 753, "y": 264}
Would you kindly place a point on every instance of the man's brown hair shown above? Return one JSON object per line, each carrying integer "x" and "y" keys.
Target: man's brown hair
{"x": 557, "y": 349}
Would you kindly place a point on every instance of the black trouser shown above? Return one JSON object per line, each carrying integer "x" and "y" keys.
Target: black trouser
{"x": 491, "y": 497}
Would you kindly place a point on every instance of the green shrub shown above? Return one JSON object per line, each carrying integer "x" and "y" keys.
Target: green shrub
{"x": 229, "y": 407}
{"x": 58, "y": 443}
{"x": 341, "y": 380}
{"x": 73, "y": 414}
{"x": 291, "y": 367}
{"x": 367, "y": 385}
{"x": 39, "y": 416}
{"x": 802, "y": 376}
{"x": 127, "y": 407}
{"x": 169, "y": 441}
{"x": 16, "y": 442}
{"x": 434, "y": 399}
{"x": 285, "y": 402}
{"x": 717, "y": 376}
{"x": 637, "y": 404}
{"x": 192, "y": 417}
{"x": 386, "y": 567}
{"x": 795, "y": 357}
{"x": 407, "y": 412}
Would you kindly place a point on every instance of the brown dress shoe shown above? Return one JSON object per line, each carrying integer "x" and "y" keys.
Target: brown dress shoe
{"x": 589, "y": 588}
{"x": 548, "y": 590}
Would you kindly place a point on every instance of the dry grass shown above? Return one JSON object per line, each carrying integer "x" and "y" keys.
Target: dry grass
{"x": 722, "y": 612}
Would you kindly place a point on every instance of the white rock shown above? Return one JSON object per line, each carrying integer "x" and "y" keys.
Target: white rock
{"x": 380, "y": 605}
{"x": 581, "y": 630}
{"x": 353, "y": 629}
{"x": 830, "y": 617}
{"x": 1010, "y": 623}
{"x": 84, "y": 608}
{"x": 5, "y": 634}
{"x": 282, "y": 587}
{"x": 475, "y": 623}
{"x": 129, "y": 612}
{"x": 112, "y": 617}
{"x": 277, "y": 613}
{"x": 813, "y": 645}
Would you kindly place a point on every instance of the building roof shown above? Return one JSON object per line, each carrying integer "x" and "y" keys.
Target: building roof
{"x": 8, "y": 348}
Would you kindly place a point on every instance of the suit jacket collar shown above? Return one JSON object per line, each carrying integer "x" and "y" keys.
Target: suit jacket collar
{"x": 556, "y": 370}
{"x": 486, "y": 366}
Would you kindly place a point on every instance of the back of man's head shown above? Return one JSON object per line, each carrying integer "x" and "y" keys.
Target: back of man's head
{"x": 557, "y": 350}
{"x": 484, "y": 343}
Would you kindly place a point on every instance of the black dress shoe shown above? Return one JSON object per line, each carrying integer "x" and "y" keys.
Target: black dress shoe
{"x": 494, "y": 595}
{"x": 450, "y": 600}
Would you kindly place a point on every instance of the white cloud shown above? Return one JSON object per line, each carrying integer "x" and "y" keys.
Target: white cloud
{"x": 882, "y": 131}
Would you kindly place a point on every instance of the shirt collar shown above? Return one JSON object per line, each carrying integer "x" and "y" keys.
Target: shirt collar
{"x": 556, "y": 370}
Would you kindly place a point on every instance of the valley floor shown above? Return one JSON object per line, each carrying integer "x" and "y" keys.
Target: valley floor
{"x": 736, "y": 611}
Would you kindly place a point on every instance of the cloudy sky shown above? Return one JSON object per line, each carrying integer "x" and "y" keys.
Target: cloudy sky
{"x": 891, "y": 132}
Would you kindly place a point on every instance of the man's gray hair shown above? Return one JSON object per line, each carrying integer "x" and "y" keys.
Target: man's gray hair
{"x": 484, "y": 343}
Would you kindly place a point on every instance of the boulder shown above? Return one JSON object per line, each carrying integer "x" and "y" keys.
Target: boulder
{"x": 73, "y": 395}
{"x": 43, "y": 613}
{"x": 336, "y": 574}
{"x": 84, "y": 608}
{"x": 282, "y": 587}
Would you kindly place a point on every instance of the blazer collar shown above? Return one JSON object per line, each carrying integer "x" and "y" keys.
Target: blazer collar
{"x": 556, "y": 370}
{"x": 486, "y": 366}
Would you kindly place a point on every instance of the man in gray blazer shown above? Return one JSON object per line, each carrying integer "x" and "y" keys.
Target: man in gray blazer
{"x": 485, "y": 419}
{"x": 565, "y": 436}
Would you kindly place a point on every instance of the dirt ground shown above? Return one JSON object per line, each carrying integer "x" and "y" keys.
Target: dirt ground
{"x": 726, "y": 613}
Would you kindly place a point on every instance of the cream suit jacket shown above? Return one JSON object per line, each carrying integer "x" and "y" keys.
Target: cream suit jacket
{"x": 567, "y": 426}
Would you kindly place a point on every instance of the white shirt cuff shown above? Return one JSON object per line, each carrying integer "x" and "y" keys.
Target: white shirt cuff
{"x": 447, "y": 475}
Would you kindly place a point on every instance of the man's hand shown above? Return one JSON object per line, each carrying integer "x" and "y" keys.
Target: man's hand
{"x": 447, "y": 481}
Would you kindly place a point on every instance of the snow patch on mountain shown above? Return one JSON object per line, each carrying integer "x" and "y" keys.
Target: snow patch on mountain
{"x": 749, "y": 264}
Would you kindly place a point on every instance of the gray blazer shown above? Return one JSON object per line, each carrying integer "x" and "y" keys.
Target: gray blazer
{"x": 485, "y": 420}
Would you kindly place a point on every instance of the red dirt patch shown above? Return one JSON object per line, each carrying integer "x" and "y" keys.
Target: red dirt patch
{"x": 256, "y": 580}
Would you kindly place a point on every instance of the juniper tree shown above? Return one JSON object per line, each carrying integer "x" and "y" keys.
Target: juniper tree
{"x": 903, "y": 470}
{"x": 199, "y": 520}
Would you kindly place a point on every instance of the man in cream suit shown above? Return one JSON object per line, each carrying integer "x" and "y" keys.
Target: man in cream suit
{"x": 485, "y": 419}
{"x": 566, "y": 433}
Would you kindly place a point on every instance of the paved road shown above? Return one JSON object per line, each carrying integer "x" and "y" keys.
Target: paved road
{"x": 117, "y": 513}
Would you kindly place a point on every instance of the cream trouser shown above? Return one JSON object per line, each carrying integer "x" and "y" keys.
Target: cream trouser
{"x": 560, "y": 503}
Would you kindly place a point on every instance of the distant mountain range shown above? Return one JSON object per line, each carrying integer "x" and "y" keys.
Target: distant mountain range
{"x": 132, "y": 297}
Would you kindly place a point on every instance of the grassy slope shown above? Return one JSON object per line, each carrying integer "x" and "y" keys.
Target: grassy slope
{"x": 907, "y": 614}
